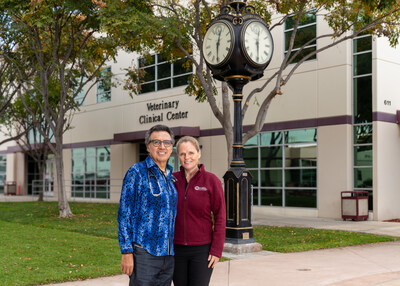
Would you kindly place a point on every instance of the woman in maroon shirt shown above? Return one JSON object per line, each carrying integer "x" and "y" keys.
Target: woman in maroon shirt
{"x": 200, "y": 221}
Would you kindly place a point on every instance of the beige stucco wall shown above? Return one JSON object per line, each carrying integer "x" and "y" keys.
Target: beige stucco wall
{"x": 123, "y": 156}
{"x": 386, "y": 67}
{"x": 335, "y": 171}
{"x": 20, "y": 173}
{"x": 386, "y": 135}
{"x": 214, "y": 155}
{"x": 386, "y": 171}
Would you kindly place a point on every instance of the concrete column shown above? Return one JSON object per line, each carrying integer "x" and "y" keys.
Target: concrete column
{"x": 335, "y": 172}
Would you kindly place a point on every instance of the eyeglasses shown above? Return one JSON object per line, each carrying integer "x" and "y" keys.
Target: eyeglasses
{"x": 157, "y": 143}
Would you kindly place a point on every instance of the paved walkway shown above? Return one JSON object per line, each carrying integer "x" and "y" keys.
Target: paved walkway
{"x": 365, "y": 265}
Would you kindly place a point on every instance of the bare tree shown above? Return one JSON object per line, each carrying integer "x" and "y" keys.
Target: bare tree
{"x": 179, "y": 28}
{"x": 59, "y": 48}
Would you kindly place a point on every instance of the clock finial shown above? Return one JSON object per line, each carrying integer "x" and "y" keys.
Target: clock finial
{"x": 237, "y": 4}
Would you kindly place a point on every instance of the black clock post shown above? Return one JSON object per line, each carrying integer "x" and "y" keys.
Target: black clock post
{"x": 237, "y": 47}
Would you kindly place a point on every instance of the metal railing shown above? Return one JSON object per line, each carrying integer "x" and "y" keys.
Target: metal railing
{"x": 88, "y": 189}
{"x": 44, "y": 187}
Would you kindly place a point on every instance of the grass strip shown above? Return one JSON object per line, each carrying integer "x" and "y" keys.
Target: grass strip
{"x": 295, "y": 239}
{"x": 33, "y": 255}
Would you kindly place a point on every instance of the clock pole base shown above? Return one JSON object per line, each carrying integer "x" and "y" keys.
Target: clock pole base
{"x": 242, "y": 248}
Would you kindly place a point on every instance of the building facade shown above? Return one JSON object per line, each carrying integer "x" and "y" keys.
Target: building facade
{"x": 334, "y": 128}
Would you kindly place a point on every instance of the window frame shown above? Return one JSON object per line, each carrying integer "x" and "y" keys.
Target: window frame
{"x": 156, "y": 78}
{"x": 102, "y": 94}
{"x": 283, "y": 144}
{"x": 360, "y": 168}
{"x": 299, "y": 28}
{"x": 90, "y": 178}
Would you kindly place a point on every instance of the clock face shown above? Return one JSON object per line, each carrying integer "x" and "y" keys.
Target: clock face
{"x": 218, "y": 44}
{"x": 257, "y": 43}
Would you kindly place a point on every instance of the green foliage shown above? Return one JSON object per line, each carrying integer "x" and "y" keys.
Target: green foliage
{"x": 52, "y": 43}
{"x": 293, "y": 239}
{"x": 194, "y": 88}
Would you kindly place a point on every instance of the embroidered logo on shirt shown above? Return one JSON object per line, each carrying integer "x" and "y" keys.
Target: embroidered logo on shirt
{"x": 197, "y": 188}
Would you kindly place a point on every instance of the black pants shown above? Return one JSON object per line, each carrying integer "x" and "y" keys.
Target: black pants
{"x": 150, "y": 270}
{"x": 191, "y": 265}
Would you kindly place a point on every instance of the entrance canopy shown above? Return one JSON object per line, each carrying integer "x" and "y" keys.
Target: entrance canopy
{"x": 138, "y": 136}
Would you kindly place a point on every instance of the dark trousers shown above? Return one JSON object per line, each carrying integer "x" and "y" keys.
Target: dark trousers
{"x": 191, "y": 265}
{"x": 150, "y": 270}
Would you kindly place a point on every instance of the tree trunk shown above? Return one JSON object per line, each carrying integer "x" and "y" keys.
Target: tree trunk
{"x": 42, "y": 166}
{"x": 229, "y": 143}
{"x": 63, "y": 205}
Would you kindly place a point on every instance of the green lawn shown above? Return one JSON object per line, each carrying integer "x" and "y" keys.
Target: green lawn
{"x": 294, "y": 239}
{"x": 37, "y": 247}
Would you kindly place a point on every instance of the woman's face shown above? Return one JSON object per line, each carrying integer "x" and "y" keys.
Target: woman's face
{"x": 188, "y": 156}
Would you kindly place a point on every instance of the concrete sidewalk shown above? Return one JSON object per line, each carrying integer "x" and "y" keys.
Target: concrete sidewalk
{"x": 366, "y": 265}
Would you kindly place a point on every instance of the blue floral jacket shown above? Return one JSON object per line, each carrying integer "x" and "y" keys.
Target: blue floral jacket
{"x": 147, "y": 210}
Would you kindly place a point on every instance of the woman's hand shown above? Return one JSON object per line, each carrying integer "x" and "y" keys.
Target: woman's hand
{"x": 127, "y": 263}
{"x": 212, "y": 261}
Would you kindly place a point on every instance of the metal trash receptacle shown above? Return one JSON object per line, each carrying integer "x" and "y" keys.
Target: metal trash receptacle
{"x": 11, "y": 188}
{"x": 355, "y": 205}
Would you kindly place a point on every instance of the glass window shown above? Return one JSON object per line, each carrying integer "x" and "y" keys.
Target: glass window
{"x": 362, "y": 44}
{"x": 271, "y": 157}
{"x": 363, "y": 178}
{"x": 254, "y": 178}
{"x": 255, "y": 196}
{"x": 271, "y": 197}
{"x": 362, "y": 99}
{"x": 271, "y": 138}
{"x": 362, "y": 117}
{"x": 91, "y": 172}
{"x": 80, "y": 97}
{"x": 301, "y": 156}
{"x": 306, "y": 32}
{"x": 363, "y": 134}
{"x": 104, "y": 86}
{"x": 301, "y": 178}
{"x": 271, "y": 178}
{"x": 164, "y": 70}
{"x": 301, "y": 136}
{"x": 362, "y": 63}
{"x": 156, "y": 73}
{"x": 301, "y": 198}
{"x": 281, "y": 162}
{"x": 363, "y": 155}
{"x": 253, "y": 141}
{"x": 251, "y": 156}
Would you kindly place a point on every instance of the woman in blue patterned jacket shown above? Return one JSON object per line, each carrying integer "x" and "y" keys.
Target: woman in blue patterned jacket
{"x": 146, "y": 215}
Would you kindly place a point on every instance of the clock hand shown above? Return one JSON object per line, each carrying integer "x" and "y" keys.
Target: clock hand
{"x": 218, "y": 43}
{"x": 258, "y": 46}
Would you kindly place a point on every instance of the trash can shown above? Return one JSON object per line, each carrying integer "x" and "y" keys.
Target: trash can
{"x": 355, "y": 205}
{"x": 11, "y": 188}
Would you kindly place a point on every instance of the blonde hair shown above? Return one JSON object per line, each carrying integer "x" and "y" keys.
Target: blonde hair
{"x": 188, "y": 139}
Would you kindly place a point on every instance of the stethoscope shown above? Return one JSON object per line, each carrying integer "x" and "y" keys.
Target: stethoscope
{"x": 158, "y": 183}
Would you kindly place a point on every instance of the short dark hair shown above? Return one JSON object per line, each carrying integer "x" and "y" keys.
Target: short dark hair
{"x": 158, "y": 127}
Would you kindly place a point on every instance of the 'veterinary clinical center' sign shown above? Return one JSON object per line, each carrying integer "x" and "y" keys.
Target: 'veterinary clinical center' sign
{"x": 167, "y": 115}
